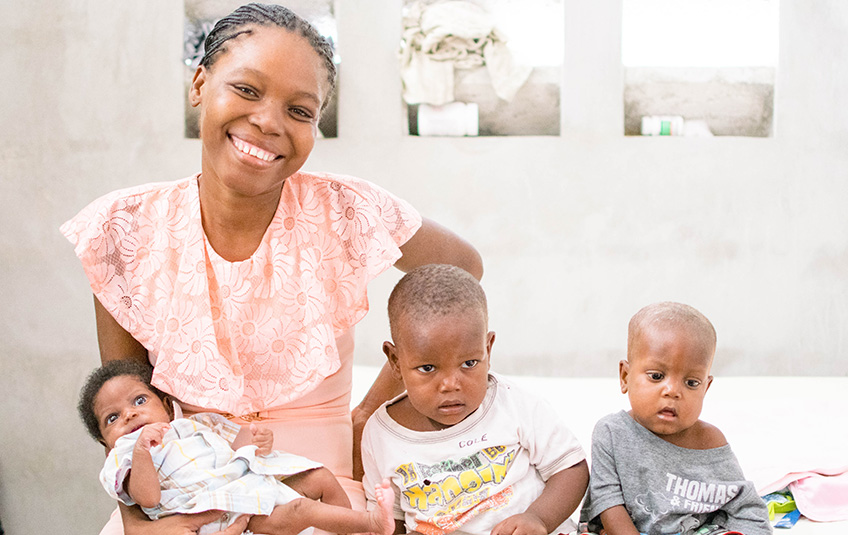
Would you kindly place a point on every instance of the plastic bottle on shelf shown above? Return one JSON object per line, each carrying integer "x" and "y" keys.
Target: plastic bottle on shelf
{"x": 662, "y": 125}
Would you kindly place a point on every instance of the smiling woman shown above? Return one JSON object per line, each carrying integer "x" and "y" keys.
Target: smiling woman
{"x": 241, "y": 284}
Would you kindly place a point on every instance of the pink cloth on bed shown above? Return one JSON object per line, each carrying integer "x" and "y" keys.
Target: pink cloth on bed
{"x": 241, "y": 337}
{"x": 821, "y": 494}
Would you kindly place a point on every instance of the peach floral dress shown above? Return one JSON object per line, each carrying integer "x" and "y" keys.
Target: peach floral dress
{"x": 267, "y": 339}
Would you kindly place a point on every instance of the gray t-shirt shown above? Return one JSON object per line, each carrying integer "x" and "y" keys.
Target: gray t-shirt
{"x": 665, "y": 488}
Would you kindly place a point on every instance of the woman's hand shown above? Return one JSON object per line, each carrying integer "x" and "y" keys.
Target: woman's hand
{"x": 137, "y": 523}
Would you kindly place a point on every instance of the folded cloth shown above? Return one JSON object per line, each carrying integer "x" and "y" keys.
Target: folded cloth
{"x": 455, "y": 34}
{"x": 820, "y": 494}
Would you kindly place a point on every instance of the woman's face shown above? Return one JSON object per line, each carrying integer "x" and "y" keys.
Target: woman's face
{"x": 260, "y": 104}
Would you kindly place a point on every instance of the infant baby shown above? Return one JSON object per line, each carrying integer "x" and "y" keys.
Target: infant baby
{"x": 205, "y": 462}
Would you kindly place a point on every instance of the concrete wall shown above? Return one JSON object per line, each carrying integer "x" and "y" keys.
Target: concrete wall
{"x": 577, "y": 231}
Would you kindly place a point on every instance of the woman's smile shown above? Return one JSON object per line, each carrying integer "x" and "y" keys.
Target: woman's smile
{"x": 252, "y": 150}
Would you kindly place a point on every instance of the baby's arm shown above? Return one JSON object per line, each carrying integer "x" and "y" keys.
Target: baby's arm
{"x": 561, "y": 496}
{"x": 142, "y": 481}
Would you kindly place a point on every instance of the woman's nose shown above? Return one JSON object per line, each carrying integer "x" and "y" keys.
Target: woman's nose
{"x": 268, "y": 118}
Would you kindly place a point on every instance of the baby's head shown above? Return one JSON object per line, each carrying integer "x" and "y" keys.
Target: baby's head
{"x": 118, "y": 398}
{"x": 670, "y": 349}
{"x": 441, "y": 344}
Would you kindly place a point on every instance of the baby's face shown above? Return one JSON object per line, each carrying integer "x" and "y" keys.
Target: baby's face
{"x": 125, "y": 404}
{"x": 444, "y": 363}
{"x": 666, "y": 378}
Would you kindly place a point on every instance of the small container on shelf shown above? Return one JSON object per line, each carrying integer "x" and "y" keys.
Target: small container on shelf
{"x": 662, "y": 125}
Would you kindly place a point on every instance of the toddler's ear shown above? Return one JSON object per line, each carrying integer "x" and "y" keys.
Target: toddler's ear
{"x": 391, "y": 353}
{"x": 623, "y": 372}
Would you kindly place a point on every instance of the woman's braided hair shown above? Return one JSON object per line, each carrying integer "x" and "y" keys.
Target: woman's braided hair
{"x": 237, "y": 22}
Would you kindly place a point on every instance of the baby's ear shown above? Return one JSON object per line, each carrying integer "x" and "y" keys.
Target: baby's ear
{"x": 171, "y": 406}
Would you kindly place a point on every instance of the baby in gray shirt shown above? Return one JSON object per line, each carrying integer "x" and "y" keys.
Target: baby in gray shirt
{"x": 657, "y": 469}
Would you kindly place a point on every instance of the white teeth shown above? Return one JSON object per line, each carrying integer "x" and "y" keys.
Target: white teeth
{"x": 253, "y": 150}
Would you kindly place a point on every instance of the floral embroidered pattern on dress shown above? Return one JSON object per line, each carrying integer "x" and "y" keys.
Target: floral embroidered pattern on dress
{"x": 245, "y": 336}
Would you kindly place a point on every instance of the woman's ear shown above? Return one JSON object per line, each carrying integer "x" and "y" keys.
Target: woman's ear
{"x": 623, "y": 372}
{"x": 195, "y": 90}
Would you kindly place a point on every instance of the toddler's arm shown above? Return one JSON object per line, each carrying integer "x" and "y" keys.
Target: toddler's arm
{"x": 561, "y": 496}
{"x": 617, "y": 521}
{"x": 142, "y": 481}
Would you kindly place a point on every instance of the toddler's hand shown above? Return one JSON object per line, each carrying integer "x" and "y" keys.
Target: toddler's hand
{"x": 151, "y": 435}
{"x": 523, "y": 524}
{"x": 262, "y": 438}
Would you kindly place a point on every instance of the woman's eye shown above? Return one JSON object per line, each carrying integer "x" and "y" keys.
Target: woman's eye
{"x": 470, "y": 363}
{"x": 140, "y": 400}
{"x": 246, "y": 91}
{"x": 427, "y": 368}
{"x": 302, "y": 113}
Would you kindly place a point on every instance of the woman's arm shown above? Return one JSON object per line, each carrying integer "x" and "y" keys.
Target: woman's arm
{"x": 114, "y": 341}
{"x": 431, "y": 244}
{"x": 136, "y": 523}
{"x": 435, "y": 244}
{"x": 385, "y": 387}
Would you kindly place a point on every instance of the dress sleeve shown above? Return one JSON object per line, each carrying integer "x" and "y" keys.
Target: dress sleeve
{"x": 604, "y": 484}
{"x": 369, "y": 224}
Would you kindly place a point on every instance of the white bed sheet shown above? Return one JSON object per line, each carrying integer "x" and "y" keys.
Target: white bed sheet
{"x": 775, "y": 425}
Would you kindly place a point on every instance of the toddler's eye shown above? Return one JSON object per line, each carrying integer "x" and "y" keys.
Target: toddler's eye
{"x": 470, "y": 363}
{"x": 655, "y": 376}
{"x": 693, "y": 383}
{"x": 140, "y": 400}
{"x": 426, "y": 368}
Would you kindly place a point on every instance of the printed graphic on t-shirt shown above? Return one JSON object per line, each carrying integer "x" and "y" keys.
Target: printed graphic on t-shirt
{"x": 682, "y": 496}
{"x": 453, "y": 492}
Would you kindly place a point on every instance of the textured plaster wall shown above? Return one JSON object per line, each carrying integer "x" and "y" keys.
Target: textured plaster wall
{"x": 577, "y": 231}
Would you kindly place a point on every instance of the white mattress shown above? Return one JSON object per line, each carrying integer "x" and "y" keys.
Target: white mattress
{"x": 775, "y": 425}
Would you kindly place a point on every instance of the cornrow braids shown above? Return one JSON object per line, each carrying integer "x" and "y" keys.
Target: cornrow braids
{"x": 99, "y": 377}
{"x": 237, "y": 23}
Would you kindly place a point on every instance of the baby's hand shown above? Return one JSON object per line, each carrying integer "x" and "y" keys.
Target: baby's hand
{"x": 262, "y": 438}
{"x": 151, "y": 435}
{"x": 523, "y": 524}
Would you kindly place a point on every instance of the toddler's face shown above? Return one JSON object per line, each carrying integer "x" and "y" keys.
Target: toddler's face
{"x": 444, "y": 363}
{"x": 125, "y": 404}
{"x": 666, "y": 378}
